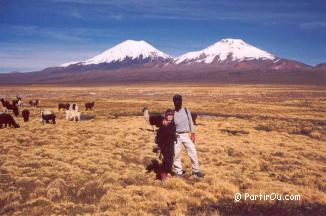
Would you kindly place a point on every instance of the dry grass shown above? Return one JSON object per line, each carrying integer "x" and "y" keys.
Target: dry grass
{"x": 260, "y": 139}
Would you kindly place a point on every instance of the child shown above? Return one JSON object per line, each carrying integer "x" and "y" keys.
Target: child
{"x": 165, "y": 139}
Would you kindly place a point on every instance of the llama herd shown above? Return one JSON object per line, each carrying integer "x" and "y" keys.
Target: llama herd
{"x": 46, "y": 116}
{"x": 71, "y": 113}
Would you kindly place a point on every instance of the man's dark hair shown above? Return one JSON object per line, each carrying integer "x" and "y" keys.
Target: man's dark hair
{"x": 177, "y": 97}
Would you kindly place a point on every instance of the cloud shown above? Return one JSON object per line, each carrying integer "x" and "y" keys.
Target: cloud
{"x": 31, "y": 57}
{"x": 312, "y": 25}
{"x": 73, "y": 35}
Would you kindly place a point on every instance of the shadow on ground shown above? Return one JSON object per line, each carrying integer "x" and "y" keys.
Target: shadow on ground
{"x": 155, "y": 167}
{"x": 87, "y": 117}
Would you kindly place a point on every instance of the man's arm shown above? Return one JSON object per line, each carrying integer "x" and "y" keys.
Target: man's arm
{"x": 192, "y": 126}
{"x": 191, "y": 122}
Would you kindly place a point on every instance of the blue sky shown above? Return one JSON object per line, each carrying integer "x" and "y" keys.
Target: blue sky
{"x": 35, "y": 34}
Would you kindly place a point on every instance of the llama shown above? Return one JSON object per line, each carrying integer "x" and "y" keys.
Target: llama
{"x": 25, "y": 114}
{"x": 63, "y": 106}
{"x": 4, "y": 104}
{"x": 47, "y": 116}
{"x": 15, "y": 102}
{"x": 35, "y": 103}
{"x": 73, "y": 107}
{"x": 7, "y": 119}
{"x": 72, "y": 115}
{"x": 89, "y": 106}
{"x": 9, "y": 106}
{"x": 18, "y": 101}
{"x": 19, "y": 98}
{"x": 152, "y": 120}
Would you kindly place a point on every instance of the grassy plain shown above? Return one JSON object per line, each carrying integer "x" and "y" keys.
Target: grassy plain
{"x": 250, "y": 139}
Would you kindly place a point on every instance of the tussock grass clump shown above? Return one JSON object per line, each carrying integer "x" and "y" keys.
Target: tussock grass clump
{"x": 234, "y": 132}
{"x": 53, "y": 194}
{"x": 58, "y": 183}
{"x": 91, "y": 191}
{"x": 310, "y": 129}
{"x": 266, "y": 128}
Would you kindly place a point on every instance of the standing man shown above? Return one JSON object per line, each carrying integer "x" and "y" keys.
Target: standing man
{"x": 184, "y": 126}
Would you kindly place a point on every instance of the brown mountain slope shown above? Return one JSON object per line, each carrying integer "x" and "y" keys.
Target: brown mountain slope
{"x": 170, "y": 73}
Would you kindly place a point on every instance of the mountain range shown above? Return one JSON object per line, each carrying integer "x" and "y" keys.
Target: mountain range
{"x": 226, "y": 61}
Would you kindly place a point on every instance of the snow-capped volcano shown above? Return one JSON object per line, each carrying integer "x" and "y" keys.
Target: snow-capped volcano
{"x": 225, "y": 50}
{"x": 130, "y": 50}
{"x": 226, "y": 54}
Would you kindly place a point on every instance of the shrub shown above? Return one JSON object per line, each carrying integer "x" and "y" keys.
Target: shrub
{"x": 266, "y": 128}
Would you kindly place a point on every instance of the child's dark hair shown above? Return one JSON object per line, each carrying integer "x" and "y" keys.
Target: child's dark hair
{"x": 169, "y": 112}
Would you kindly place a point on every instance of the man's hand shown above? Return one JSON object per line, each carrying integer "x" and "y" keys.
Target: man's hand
{"x": 193, "y": 137}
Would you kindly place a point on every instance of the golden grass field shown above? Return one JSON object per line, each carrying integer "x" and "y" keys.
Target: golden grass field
{"x": 254, "y": 139}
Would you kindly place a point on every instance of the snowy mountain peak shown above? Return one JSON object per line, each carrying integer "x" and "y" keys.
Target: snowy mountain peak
{"x": 232, "y": 41}
{"x": 129, "y": 52}
{"x": 129, "y": 49}
{"x": 225, "y": 49}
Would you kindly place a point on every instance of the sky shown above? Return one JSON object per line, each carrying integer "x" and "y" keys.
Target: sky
{"x": 35, "y": 34}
